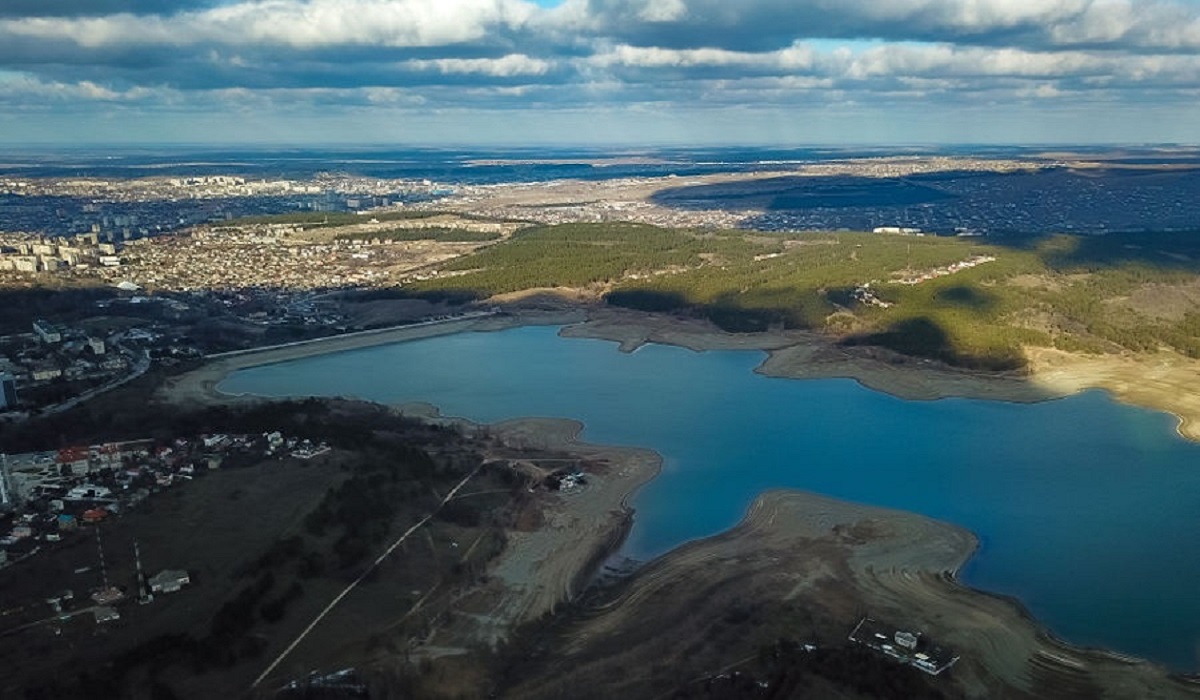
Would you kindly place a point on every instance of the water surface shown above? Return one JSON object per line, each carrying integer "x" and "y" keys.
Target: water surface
{"x": 1088, "y": 511}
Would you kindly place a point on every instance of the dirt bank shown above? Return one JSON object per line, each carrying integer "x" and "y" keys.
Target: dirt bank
{"x": 1164, "y": 381}
{"x": 808, "y": 567}
{"x": 543, "y": 568}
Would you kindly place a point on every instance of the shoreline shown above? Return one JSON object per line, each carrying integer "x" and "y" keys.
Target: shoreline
{"x": 787, "y": 351}
{"x": 836, "y": 561}
{"x": 199, "y": 386}
{"x": 1158, "y": 383}
{"x": 550, "y": 565}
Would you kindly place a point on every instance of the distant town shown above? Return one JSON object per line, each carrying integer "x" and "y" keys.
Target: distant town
{"x": 118, "y": 210}
{"x": 183, "y": 254}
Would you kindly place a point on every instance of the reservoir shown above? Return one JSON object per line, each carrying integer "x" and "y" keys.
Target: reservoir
{"x": 1088, "y": 511}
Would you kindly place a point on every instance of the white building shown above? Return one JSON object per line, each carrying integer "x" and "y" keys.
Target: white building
{"x": 169, "y": 581}
{"x": 87, "y": 492}
{"x": 48, "y": 332}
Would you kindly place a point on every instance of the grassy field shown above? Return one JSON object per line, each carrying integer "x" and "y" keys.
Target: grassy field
{"x": 1091, "y": 294}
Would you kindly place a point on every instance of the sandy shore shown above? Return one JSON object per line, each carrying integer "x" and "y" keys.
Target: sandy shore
{"x": 544, "y": 567}
{"x": 1165, "y": 381}
{"x": 805, "y": 355}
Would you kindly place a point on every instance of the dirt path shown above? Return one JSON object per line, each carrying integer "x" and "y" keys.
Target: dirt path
{"x": 362, "y": 577}
{"x": 541, "y": 569}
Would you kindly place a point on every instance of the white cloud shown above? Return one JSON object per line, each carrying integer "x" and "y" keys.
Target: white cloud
{"x": 663, "y": 11}
{"x": 1142, "y": 24}
{"x": 301, "y": 24}
{"x": 509, "y": 54}
{"x": 797, "y": 57}
{"x": 503, "y": 67}
{"x": 22, "y": 87}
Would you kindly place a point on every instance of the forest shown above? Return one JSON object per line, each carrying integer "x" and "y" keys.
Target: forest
{"x": 1092, "y": 294}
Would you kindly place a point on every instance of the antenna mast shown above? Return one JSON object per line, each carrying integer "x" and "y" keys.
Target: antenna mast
{"x": 103, "y": 566}
{"x": 144, "y": 594}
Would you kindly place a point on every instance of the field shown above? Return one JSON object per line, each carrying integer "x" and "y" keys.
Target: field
{"x": 267, "y": 546}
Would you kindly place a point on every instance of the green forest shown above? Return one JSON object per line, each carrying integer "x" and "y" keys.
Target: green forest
{"x": 1080, "y": 293}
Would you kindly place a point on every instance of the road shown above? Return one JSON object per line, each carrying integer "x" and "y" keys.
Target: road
{"x": 373, "y": 331}
{"x": 140, "y": 365}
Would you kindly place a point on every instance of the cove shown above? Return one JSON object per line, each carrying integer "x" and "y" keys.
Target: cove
{"x": 1088, "y": 511}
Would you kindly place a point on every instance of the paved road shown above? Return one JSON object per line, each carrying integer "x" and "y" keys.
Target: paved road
{"x": 140, "y": 365}
{"x": 354, "y": 334}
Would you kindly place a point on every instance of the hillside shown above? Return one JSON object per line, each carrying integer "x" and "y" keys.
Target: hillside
{"x": 968, "y": 302}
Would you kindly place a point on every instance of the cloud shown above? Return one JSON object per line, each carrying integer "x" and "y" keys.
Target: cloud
{"x": 503, "y": 67}
{"x": 21, "y": 88}
{"x": 514, "y": 54}
{"x": 300, "y": 24}
{"x": 74, "y": 8}
{"x": 767, "y": 24}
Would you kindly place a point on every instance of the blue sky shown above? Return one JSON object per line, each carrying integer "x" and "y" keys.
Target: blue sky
{"x": 599, "y": 71}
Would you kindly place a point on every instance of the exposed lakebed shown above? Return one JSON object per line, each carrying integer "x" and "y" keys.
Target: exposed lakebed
{"x": 1088, "y": 511}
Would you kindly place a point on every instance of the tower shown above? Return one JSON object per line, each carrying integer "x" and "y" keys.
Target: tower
{"x": 143, "y": 586}
{"x": 103, "y": 566}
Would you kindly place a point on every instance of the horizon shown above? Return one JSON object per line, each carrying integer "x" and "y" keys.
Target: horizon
{"x": 900, "y": 148}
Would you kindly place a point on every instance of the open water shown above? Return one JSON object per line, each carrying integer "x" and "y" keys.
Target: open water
{"x": 1088, "y": 511}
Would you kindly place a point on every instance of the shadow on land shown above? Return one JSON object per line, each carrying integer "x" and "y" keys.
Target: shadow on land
{"x": 923, "y": 336}
{"x": 793, "y": 192}
{"x": 1161, "y": 250}
{"x": 1013, "y": 204}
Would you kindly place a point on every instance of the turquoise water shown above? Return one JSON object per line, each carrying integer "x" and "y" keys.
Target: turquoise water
{"x": 1088, "y": 511}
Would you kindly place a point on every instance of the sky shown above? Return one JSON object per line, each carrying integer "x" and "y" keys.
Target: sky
{"x": 599, "y": 72}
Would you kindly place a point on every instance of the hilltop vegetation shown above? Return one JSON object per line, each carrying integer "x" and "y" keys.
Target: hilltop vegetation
{"x": 1134, "y": 292}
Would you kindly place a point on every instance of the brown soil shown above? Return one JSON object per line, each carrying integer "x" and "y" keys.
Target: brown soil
{"x": 542, "y": 569}
{"x": 809, "y": 567}
{"x": 1165, "y": 381}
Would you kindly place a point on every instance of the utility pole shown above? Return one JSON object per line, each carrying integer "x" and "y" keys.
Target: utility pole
{"x": 144, "y": 594}
{"x": 103, "y": 567}
{"x": 4, "y": 490}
